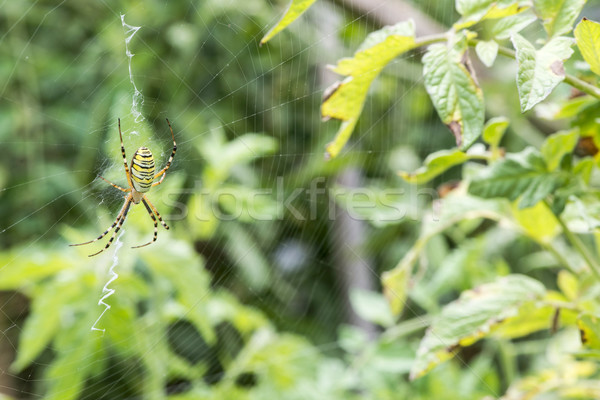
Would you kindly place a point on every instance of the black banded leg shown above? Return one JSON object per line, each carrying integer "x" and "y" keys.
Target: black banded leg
{"x": 113, "y": 185}
{"x": 162, "y": 171}
{"x": 156, "y": 212}
{"x": 127, "y": 201}
{"x": 155, "y": 226}
{"x": 124, "y": 156}
{"x": 160, "y": 181}
{"x": 116, "y": 230}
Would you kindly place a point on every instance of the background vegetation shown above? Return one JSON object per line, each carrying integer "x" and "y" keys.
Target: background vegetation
{"x": 322, "y": 296}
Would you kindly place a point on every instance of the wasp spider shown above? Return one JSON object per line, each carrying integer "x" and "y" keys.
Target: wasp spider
{"x": 140, "y": 178}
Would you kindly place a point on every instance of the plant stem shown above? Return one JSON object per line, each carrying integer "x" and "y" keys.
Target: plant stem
{"x": 510, "y": 53}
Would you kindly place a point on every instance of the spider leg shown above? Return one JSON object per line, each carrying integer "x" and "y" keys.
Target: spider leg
{"x": 162, "y": 171}
{"x": 145, "y": 199}
{"x": 124, "y": 156}
{"x": 113, "y": 185}
{"x": 125, "y": 205}
{"x": 128, "y": 204}
{"x": 155, "y": 226}
{"x": 160, "y": 181}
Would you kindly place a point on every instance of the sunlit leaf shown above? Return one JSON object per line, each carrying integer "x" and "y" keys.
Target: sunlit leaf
{"x": 345, "y": 100}
{"x": 539, "y": 71}
{"x": 295, "y": 9}
{"x": 587, "y": 34}
{"x": 558, "y": 15}
{"x": 473, "y": 316}
{"x": 454, "y": 91}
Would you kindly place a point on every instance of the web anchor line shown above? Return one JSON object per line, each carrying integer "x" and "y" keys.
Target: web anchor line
{"x": 106, "y": 291}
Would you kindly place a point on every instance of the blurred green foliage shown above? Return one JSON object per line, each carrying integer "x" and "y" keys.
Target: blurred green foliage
{"x": 227, "y": 304}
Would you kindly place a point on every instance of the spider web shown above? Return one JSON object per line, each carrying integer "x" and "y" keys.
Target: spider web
{"x": 228, "y": 87}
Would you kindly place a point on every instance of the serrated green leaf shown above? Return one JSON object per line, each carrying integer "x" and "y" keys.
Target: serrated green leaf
{"x": 539, "y": 71}
{"x": 587, "y": 35}
{"x": 454, "y": 91}
{"x": 487, "y": 52}
{"x": 435, "y": 164}
{"x": 494, "y": 131}
{"x": 371, "y": 307}
{"x": 345, "y": 100}
{"x": 295, "y": 9}
{"x": 474, "y": 316}
{"x": 522, "y": 175}
{"x": 505, "y": 27}
{"x": 557, "y": 146}
{"x": 589, "y": 330}
{"x": 558, "y": 15}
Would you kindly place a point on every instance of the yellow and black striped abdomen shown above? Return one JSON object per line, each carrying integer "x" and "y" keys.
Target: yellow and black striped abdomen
{"x": 142, "y": 169}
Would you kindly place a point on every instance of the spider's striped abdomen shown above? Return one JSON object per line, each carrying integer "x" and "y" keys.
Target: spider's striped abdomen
{"x": 142, "y": 169}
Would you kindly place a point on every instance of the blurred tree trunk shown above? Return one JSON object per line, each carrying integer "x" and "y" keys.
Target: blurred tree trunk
{"x": 350, "y": 234}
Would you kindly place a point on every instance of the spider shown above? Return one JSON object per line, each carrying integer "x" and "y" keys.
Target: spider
{"x": 140, "y": 177}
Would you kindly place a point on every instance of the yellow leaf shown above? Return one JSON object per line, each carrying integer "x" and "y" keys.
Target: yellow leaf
{"x": 587, "y": 34}
{"x": 345, "y": 100}
{"x": 295, "y": 9}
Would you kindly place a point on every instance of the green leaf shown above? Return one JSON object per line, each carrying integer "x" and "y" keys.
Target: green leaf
{"x": 522, "y": 175}
{"x": 558, "y": 15}
{"x": 44, "y": 321}
{"x": 435, "y": 164}
{"x": 295, "y": 9}
{"x": 372, "y": 307}
{"x": 539, "y": 71}
{"x": 76, "y": 348}
{"x": 454, "y": 91}
{"x": 589, "y": 330}
{"x": 494, "y": 131}
{"x": 487, "y": 52}
{"x": 587, "y": 35}
{"x": 532, "y": 317}
{"x": 474, "y": 316}
{"x": 505, "y": 27}
{"x": 557, "y": 146}
{"x": 345, "y": 100}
